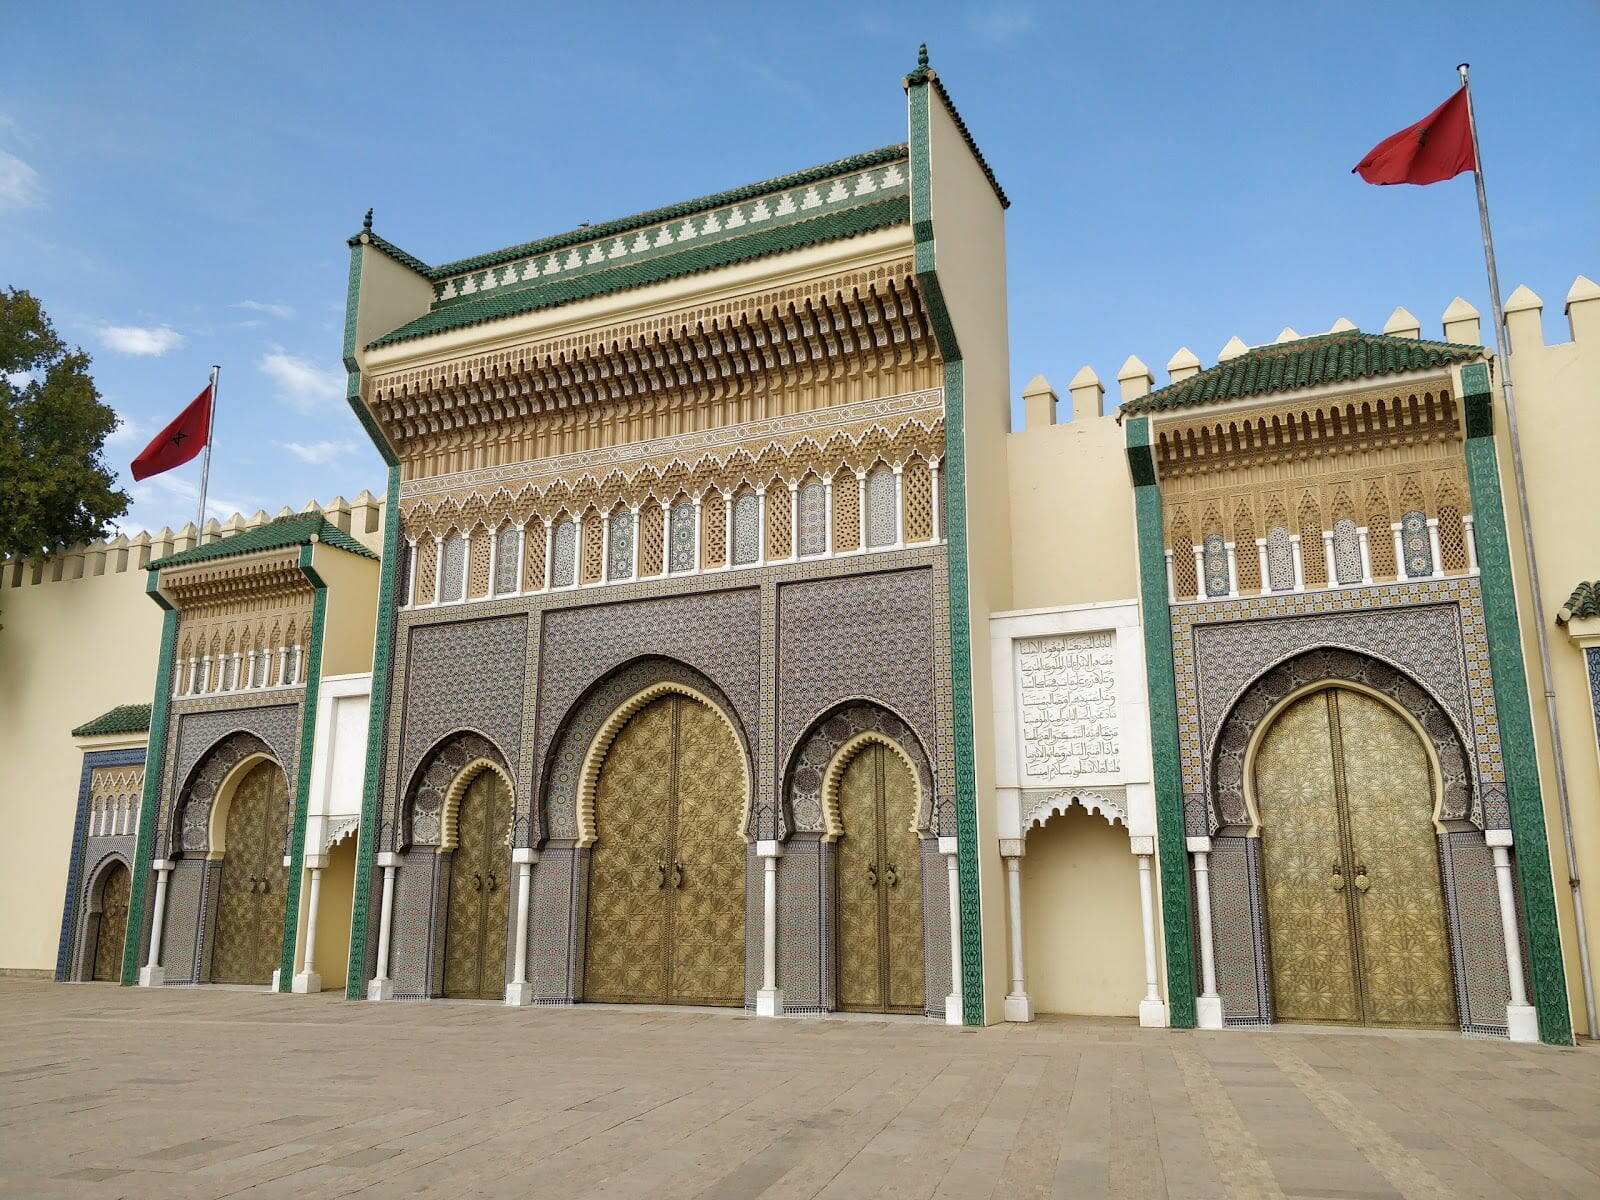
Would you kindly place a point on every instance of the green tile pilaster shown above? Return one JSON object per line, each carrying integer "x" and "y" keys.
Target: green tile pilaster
{"x": 1548, "y": 981}
{"x": 154, "y": 769}
{"x": 302, "y": 786}
{"x": 1173, "y": 857}
{"x": 955, "y": 500}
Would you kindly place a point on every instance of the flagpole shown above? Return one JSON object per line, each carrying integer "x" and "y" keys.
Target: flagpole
{"x": 1502, "y": 348}
{"x": 205, "y": 462}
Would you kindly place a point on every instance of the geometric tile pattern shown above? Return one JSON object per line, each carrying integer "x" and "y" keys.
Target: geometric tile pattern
{"x": 196, "y": 733}
{"x": 803, "y": 790}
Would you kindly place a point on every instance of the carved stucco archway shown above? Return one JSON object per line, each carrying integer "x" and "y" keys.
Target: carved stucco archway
{"x": 594, "y": 758}
{"x": 200, "y": 826}
{"x": 810, "y": 792}
{"x": 428, "y": 816}
{"x": 832, "y": 824}
{"x": 1458, "y": 798}
{"x": 91, "y": 909}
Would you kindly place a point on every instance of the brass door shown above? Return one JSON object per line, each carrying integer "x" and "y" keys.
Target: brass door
{"x": 879, "y": 886}
{"x": 1355, "y": 910}
{"x": 480, "y": 887}
{"x": 250, "y": 903}
{"x": 113, "y": 927}
{"x": 666, "y": 873}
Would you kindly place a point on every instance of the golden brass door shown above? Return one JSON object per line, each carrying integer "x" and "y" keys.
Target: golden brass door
{"x": 480, "y": 887}
{"x": 666, "y": 872}
{"x": 879, "y": 886}
{"x": 250, "y": 902}
{"x": 113, "y": 927}
{"x": 1355, "y": 910}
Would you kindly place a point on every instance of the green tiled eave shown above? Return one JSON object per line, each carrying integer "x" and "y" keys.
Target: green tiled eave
{"x": 844, "y": 223}
{"x": 1307, "y": 362}
{"x": 671, "y": 212}
{"x": 125, "y": 718}
{"x": 1582, "y": 604}
{"x": 274, "y": 535}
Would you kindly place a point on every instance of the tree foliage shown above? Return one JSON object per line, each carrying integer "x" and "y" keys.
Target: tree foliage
{"x": 55, "y": 488}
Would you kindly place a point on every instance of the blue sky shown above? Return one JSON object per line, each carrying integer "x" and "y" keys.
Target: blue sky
{"x": 177, "y": 181}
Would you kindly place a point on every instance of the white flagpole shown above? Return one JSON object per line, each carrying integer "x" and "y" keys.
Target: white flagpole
{"x": 1502, "y": 348}
{"x": 205, "y": 461}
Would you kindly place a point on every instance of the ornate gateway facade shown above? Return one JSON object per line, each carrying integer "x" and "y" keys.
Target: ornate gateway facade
{"x": 717, "y": 642}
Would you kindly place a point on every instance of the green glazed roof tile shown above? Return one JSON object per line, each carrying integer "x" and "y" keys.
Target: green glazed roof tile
{"x": 833, "y": 226}
{"x": 1306, "y": 362}
{"x": 274, "y": 535}
{"x": 125, "y": 718}
{"x": 1582, "y": 604}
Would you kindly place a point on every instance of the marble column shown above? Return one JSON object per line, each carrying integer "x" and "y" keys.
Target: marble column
{"x": 519, "y": 990}
{"x": 1208, "y": 1004}
{"x": 381, "y": 987}
{"x": 1522, "y": 1019}
{"x": 952, "y": 1002}
{"x": 308, "y": 979}
{"x": 1152, "y": 1009}
{"x": 1018, "y": 1006}
{"x": 153, "y": 974}
{"x": 769, "y": 1000}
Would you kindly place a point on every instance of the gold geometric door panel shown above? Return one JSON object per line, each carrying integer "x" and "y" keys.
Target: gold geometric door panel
{"x": 480, "y": 887}
{"x": 1355, "y": 910}
{"x": 114, "y": 892}
{"x": 879, "y": 886}
{"x": 250, "y": 901}
{"x": 666, "y": 872}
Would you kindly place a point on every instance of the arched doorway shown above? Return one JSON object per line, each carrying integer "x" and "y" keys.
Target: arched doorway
{"x": 480, "y": 884}
{"x": 879, "y": 884}
{"x": 1344, "y": 790}
{"x": 667, "y": 867}
{"x": 250, "y": 901}
{"x": 116, "y": 885}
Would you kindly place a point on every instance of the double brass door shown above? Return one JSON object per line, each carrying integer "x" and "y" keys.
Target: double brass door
{"x": 480, "y": 887}
{"x": 113, "y": 927}
{"x": 250, "y": 903}
{"x": 879, "y": 886}
{"x": 1355, "y": 910}
{"x": 666, "y": 872}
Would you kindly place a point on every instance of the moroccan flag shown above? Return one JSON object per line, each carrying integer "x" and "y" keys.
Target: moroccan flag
{"x": 179, "y": 441}
{"x": 1437, "y": 147}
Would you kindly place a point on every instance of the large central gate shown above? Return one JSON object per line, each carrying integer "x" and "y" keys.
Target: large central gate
{"x": 666, "y": 873}
{"x": 480, "y": 885}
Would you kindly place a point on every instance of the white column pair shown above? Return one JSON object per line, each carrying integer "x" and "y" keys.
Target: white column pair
{"x": 308, "y": 978}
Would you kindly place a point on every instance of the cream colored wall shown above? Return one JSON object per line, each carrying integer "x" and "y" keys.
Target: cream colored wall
{"x": 1082, "y": 943}
{"x": 970, "y": 258}
{"x": 1557, "y": 393}
{"x": 1072, "y": 534}
{"x": 69, "y": 651}
{"x": 352, "y": 610}
{"x": 333, "y": 915}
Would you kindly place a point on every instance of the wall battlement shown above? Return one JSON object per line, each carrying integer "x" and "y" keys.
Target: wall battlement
{"x": 1460, "y": 323}
{"x": 361, "y": 517}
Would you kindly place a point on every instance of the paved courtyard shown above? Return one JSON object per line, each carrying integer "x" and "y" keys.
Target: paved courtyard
{"x": 109, "y": 1091}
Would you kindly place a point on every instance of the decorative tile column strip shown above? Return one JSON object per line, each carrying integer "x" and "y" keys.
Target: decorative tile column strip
{"x": 309, "y": 675}
{"x": 1172, "y": 846}
{"x": 919, "y": 96}
{"x": 154, "y": 773}
{"x": 383, "y": 643}
{"x": 1516, "y": 719}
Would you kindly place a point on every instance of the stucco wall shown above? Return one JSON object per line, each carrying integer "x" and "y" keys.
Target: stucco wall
{"x": 69, "y": 651}
{"x": 1557, "y": 391}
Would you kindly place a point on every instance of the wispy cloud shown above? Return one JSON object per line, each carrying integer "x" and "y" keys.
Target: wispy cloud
{"x": 302, "y": 385}
{"x": 261, "y": 306}
{"x": 20, "y": 186}
{"x": 318, "y": 453}
{"x": 145, "y": 341}
{"x": 129, "y": 432}
{"x": 165, "y": 492}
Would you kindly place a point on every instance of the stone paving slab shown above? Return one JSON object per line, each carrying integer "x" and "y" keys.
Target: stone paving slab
{"x": 206, "y": 1093}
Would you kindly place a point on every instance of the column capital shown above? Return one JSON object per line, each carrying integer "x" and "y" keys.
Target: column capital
{"x": 769, "y": 849}
{"x": 162, "y": 864}
{"x": 314, "y": 862}
{"x": 1197, "y": 845}
{"x": 524, "y": 854}
{"x": 1012, "y": 847}
{"x": 1142, "y": 844}
{"x": 388, "y": 858}
{"x": 947, "y": 845}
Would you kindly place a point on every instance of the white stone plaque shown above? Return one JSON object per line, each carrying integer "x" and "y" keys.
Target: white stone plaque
{"x": 1068, "y": 695}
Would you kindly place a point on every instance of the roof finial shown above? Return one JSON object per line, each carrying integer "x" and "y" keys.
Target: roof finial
{"x": 922, "y": 56}
{"x": 366, "y": 221}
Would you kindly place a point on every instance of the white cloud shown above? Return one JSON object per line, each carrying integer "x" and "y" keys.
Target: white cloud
{"x": 302, "y": 385}
{"x": 19, "y": 184}
{"x": 166, "y": 491}
{"x": 999, "y": 24}
{"x": 129, "y": 432}
{"x": 318, "y": 453}
{"x": 145, "y": 342}
{"x": 261, "y": 306}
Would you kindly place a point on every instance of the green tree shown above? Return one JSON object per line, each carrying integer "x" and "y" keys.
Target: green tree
{"x": 55, "y": 488}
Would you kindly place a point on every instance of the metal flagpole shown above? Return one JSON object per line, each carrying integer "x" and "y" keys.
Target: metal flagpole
{"x": 1502, "y": 348}
{"x": 205, "y": 461}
